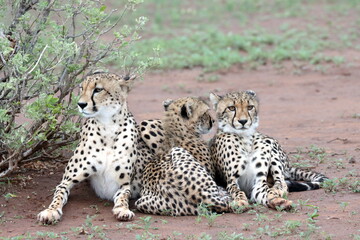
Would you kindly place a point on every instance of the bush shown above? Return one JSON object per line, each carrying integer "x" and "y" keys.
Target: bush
{"x": 46, "y": 48}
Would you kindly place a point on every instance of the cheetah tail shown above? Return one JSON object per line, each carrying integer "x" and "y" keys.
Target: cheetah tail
{"x": 297, "y": 174}
{"x": 295, "y": 186}
{"x": 311, "y": 180}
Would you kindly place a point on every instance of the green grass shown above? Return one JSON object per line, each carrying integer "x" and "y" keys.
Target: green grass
{"x": 215, "y": 50}
{"x": 216, "y": 34}
{"x": 179, "y": 16}
{"x": 205, "y": 212}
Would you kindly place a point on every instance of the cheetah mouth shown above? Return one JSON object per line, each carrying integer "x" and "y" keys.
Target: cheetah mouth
{"x": 85, "y": 114}
{"x": 240, "y": 128}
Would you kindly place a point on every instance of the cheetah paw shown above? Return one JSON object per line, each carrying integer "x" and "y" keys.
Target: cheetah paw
{"x": 239, "y": 206}
{"x": 123, "y": 214}
{"x": 281, "y": 203}
{"x": 278, "y": 191}
{"x": 49, "y": 216}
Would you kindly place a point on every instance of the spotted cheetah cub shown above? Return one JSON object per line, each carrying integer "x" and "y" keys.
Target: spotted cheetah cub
{"x": 176, "y": 183}
{"x": 152, "y": 133}
{"x": 253, "y": 165}
{"x": 106, "y": 152}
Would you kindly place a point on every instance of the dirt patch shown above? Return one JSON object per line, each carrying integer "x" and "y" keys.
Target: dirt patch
{"x": 304, "y": 112}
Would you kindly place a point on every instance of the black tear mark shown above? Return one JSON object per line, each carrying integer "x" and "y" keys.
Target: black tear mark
{"x": 184, "y": 112}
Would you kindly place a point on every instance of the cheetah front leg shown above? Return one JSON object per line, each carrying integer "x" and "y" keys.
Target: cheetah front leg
{"x": 121, "y": 205}
{"x": 231, "y": 169}
{"x": 277, "y": 172}
{"x": 121, "y": 209}
{"x": 277, "y": 169}
{"x": 239, "y": 197}
{"x": 271, "y": 197}
{"x": 54, "y": 212}
{"x": 261, "y": 189}
{"x": 279, "y": 190}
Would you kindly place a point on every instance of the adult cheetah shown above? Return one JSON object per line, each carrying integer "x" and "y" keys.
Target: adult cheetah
{"x": 108, "y": 147}
{"x": 176, "y": 183}
{"x": 253, "y": 165}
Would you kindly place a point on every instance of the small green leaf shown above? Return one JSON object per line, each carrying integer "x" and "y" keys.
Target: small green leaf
{"x": 102, "y": 8}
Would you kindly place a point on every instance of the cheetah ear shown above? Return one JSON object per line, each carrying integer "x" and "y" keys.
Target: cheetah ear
{"x": 127, "y": 82}
{"x": 186, "y": 110}
{"x": 214, "y": 99}
{"x": 167, "y": 103}
{"x": 251, "y": 92}
{"x": 129, "y": 78}
{"x": 98, "y": 71}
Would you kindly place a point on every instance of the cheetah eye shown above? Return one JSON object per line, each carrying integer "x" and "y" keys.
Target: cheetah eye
{"x": 97, "y": 90}
{"x": 231, "y": 108}
{"x": 250, "y": 107}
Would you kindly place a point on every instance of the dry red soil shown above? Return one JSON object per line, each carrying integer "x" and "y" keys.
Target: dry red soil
{"x": 312, "y": 108}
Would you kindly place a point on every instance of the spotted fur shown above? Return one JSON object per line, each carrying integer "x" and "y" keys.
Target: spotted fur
{"x": 253, "y": 165}
{"x": 108, "y": 148}
{"x": 179, "y": 180}
{"x": 152, "y": 131}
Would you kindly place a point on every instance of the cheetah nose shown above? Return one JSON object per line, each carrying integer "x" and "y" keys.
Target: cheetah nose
{"x": 243, "y": 122}
{"x": 82, "y": 105}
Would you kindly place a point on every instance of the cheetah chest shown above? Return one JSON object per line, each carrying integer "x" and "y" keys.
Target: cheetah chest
{"x": 112, "y": 162}
{"x": 256, "y": 161}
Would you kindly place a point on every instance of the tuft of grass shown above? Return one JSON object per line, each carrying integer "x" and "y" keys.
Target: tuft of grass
{"x": 355, "y": 186}
{"x": 9, "y": 196}
{"x": 233, "y": 236}
{"x": 90, "y": 230}
{"x": 303, "y": 203}
{"x": 356, "y": 115}
{"x": 291, "y": 226}
{"x": 330, "y": 185}
{"x": 343, "y": 205}
{"x": 310, "y": 231}
{"x": 145, "y": 223}
{"x": 317, "y": 153}
{"x": 47, "y": 235}
{"x": 339, "y": 164}
{"x": 261, "y": 218}
{"x": 246, "y": 226}
{"x": 333, "y": 185}
{"x": 263, "y": 231}
{"x": 205, "y": 212}
{"x": 313, "y": 215}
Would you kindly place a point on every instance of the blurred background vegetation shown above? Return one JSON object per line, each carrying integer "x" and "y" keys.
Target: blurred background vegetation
{"x": 215, "y": 34}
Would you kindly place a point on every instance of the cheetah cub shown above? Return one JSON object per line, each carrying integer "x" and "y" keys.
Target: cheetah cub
{"x": 253, "y": 165}
{"x": 176, "y": 183}
{"x": 189, "y": 138}
{"x": 106, "y": 153}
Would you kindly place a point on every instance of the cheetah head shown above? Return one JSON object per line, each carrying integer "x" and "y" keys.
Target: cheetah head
{"x": 103, "y": 94}
{"x": 189, "y": 112}
{"x": 237, "y": 112}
